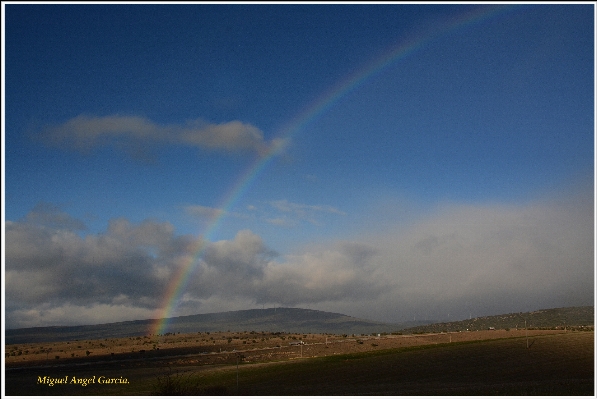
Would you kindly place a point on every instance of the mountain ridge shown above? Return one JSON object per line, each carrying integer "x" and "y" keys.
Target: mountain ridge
{"x": 271, "y": 319}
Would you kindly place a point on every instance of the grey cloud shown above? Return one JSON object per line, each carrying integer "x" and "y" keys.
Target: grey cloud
{"x": 343, "y": 272}
{"x": 136, "y": 134}
{"x": 243, "y": 258}
{"x": 51, "y": 216}
{"x": 127, "y": 265}
{"x": 243, "y": 270}
{"x": 51, "y": 272}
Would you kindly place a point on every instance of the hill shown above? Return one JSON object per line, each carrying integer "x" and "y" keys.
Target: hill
{"x": 297, "y": 320}
{"x": 275, "y": 319}
{"x": 572, "y": 317}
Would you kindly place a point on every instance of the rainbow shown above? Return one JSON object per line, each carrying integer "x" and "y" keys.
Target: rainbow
{"x": 179, "y": 280}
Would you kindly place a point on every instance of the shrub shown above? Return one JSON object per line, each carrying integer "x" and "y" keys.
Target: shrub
{"x": 176, "y": 384}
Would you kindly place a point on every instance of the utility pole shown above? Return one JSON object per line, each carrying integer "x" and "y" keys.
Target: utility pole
{"x": 526, "y": 333}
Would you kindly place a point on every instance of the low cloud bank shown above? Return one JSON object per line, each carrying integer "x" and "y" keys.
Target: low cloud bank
{"x": 458, "y": 261}
{"x": 477, "y": 260}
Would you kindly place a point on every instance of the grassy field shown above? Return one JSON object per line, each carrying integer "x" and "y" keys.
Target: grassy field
{"x": 553, "y": 365}
{"x": 558, "y": 364}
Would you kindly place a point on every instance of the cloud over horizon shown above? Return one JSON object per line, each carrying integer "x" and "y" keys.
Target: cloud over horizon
{"x": 493, "y": 258}
{"x": 458, "y": 259}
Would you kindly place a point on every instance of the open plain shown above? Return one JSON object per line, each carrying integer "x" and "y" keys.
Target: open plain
{"x": 467, "y": 362}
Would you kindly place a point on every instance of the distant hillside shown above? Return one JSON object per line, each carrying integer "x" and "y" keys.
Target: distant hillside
{"x": 546, "y": 318}
{"x": 296, "y": 320}
{"x": 276, "y": 319}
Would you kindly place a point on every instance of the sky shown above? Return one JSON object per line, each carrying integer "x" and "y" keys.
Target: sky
{"x": 386, "y": 161}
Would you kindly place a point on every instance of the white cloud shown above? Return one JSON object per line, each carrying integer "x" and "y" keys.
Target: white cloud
{"x": 230, "y": 136}
{"x": 342, "y": 272}
{"x": 280, "y": 222}
{"x": 303, "y": 209}
{"x": 295, "y": 212}
{"x": 209, "y": 213}
{"x": 135, "y": 134}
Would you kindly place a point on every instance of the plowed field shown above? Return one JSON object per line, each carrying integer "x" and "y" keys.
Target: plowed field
{"x": 466, "y": 363}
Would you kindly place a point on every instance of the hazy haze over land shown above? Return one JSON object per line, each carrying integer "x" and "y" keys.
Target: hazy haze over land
{"x": 455, "y": 180}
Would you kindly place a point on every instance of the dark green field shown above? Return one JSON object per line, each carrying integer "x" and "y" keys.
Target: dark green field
{"x": 560, "y": 364}
{"x": 554, "y": 365}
